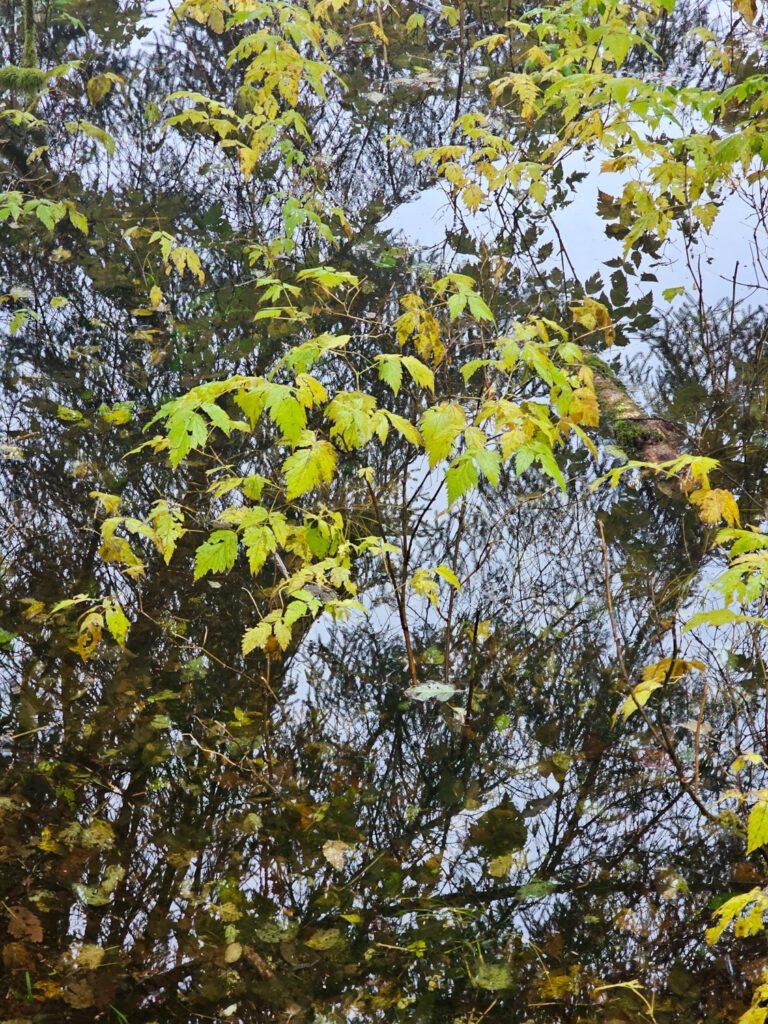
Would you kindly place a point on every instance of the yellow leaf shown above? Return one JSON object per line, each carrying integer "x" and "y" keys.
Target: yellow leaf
{"x": 90, "y": 956}
{"x": 734, "y": 908}
{"x": 654, "y": 677}
{"x": 216, "y": 22}
{"x": 473, "y": 195}
{"x": 594, "y": 316}
{"x": 247, "y": 157}
{"x": 117, "y": 622}
{"x": 705, "y": 212}
{"x": 110, "y": 502}
{"x": 638, "y": 697}
{"x": 155, "y": 296}
{"x": 757, "y": 827}
{"x": 715, "y": 505}
{"x": 538, "y": 191}
{"x": 89, "y": 635}
{"x": 746, "y": 8}
{"x": 97, "y": 88}
{"x": 584, "y": 408}
{"x": 117, "y": 549}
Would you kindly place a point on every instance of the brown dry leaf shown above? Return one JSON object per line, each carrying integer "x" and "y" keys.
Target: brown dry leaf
{"x": 746, "y": 8}
{"x": 79, "y": 994}
{"x": 336, "y": 853}
{"x": 16, "y": 954}
{"x": 25, "y": 925}
{"x": 103, "y": 986}
{"x": 90, "y": 956}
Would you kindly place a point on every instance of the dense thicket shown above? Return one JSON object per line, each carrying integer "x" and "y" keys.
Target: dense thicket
{"x": 337, "y": 683}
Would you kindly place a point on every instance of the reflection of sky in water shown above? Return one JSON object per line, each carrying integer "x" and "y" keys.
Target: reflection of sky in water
{"x": 424, "y": 220}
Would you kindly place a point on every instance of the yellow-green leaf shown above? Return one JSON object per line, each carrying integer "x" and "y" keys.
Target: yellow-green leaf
{"x": 217, "y": 554}
{"x": 308, "y": 467}
{"x": 117, "y": 621}
{"x": 757, "y": 826}
{"x": 440, "y": 426}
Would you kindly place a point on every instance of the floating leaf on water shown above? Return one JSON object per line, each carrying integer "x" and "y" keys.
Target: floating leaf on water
{"x": 325, "y": 938}
{"x": 493, "y": 977}
{"x": 271, "y": 932}
{"x": 90, "y": 956}
{"x": 429, "y": 691}
{"x": 336, "y": 853}
{"x": 23, "y": 924}
{"x": 535, "y": 889}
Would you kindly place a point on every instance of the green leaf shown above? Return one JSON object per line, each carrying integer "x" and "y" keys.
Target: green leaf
{"x": 217, "y": 416}
{"x": 258, "y": 541}
{"x": 308, "y": 467}
{"x": 354, "y": 418}
{"x": 523, "y": 460}
{"x": 440, "y": 426}
{"x": 186, "y": 430}
{"x": 468, "y": 369}
{"x": 535, "y": 889}
{"x": 286, "y": 411}
{"x": 93, "y": 132}
{"x": 256, "y": 636}
{"x": 217, "y": 554}
{"x": 325, "y": 938}
{"x": 550, "y": 466}
{"x": 168, "y": 523}
{"x": 493, "y": 977}
{"x": 391, "y": 371}
{"x": 456, "y": 304}
{"x": 717, "y": 617}
{"x": 78, "y": 220}
{"x": 460, "y": 478}
{"x": 487, "y": 460}
{"x": 478, "y": 308}
{"x": 117, "y": 622}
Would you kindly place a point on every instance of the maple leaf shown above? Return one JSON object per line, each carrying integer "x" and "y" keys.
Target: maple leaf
{"x": 440, "y": 426}
{"x": 352, "y": 414}
{"x": 217, "y": 554}
{"x": 391, "y": 371}
{"x": 308, "y": 467}
{"x": 757, "y": 826}
{"x": 259, "y": 541}
{"x": 256, "y": 636}
{"x": 117, "y": 622}
{"x": 716, "y": 505}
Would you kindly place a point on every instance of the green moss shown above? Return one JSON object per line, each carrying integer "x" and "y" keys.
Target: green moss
{"x": 29, "y": 55}
{"x": 633, "y": 434}
{"x": 596, "y": 363}
{"x": 23, "y": 80}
